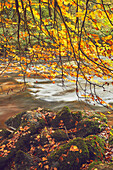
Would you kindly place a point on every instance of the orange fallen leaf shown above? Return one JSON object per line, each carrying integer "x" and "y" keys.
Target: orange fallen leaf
{"x": 77, "y": 160}
{"x": 74, "y": 148}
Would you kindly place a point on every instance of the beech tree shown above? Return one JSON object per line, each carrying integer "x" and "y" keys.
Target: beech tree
{"x": 70, "y": 37}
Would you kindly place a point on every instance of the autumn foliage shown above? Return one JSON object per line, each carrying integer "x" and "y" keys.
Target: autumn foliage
{"x": 69, "y": 37}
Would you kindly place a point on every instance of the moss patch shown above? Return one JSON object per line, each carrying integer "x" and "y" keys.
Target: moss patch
{"x": 67, "y": 159}
{"x": 87, "y": 127}
{"x": 110, "y": 140}
{"x": 100, "y": 166}
{"x": 69, "y": 119}
{"x": 96, "y": 147}
{"x": 59, "y": 135}
{"x": 15, "y": 121}
{"x": 4, "y": 133}
{"x": 22, "y": 160}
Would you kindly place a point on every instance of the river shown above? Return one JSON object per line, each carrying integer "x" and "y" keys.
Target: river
{"x": 49, "y": 95}
{"x": 44, "y": 89}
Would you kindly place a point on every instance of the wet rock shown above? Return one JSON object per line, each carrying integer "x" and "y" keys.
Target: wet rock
{"x": 15, "y": 121}
{"x": 37, "y": 126}
{"x": 67, "y": 158}
{"x": 75, "y": 153}
{"x": 96, "y": 147}
{"x": 110, "y": 139}
{"x": 101, "y": 166}
{"x": 6, "y": 160}
{"x": 87, "y": 127}
{"x": 4, "y": 133}
{"x": 23, "y": 143}
{"x": 22, "y": 160}
{"x": 59, "y": 135}
{"x": 67, "y": 117}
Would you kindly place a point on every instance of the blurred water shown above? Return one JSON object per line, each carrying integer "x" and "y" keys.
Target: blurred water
{"x": 44, "y": 89}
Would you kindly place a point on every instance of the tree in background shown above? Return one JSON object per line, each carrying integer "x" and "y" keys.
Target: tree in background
{"x": 70, "y": 37}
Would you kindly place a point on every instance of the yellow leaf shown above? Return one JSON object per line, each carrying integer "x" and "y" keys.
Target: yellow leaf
{"x": 46, "y": 166}
{"x": 74, "y": 148}
{"x": 105, "y": 77}
{"x": 80, "y": 151}
{"x": 107, "y": 37}
{"x": 44, "y": 159}
{"x": 79, "y": 14}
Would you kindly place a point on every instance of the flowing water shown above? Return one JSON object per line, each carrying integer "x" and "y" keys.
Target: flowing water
{"x": 46, "y": 92}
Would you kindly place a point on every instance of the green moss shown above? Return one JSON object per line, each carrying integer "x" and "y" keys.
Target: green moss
{"x": 37, "y": 126}
{"x": 100, "y": 166}
{"x": 33, "y": 128}
{"x": 22, "y": 160}
{"x": 42, "y": 123}
{"x": 90, "y": 147}
{"x": 103, "y": 126}
{"x": 77, "y": 116}
{"x": 65, "y": 110}
{"x": 59, "y": 135}
{"x": 68, "y": 118}
{"x": 104, "y": 119}
{"x": 4, "y": 133}
{"x": 87, "y": 127}
{"x": 110, "y": 140}
{"x": 95, "y": 116}
{"x": 5, "y": 161}
{"x": 23, "y": 143}
{"x": 96, "y": 147}
{"x": 64, "y": 115}
{"x": 71, "y": 159}
{"x": 92, "y": 165}
{"x": 15, "y": 121}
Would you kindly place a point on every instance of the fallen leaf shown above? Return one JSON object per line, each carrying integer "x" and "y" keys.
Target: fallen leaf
{"x": 74, "y": 148}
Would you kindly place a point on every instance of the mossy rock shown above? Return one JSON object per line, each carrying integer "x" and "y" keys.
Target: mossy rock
{"x": 67, "y": 117}
{"x": 110, "y": 140}
{"x": 104, "y": 119}
{"x": 37, "y": 126}
{"x": 63, "y": 111}
{"x": 95, "y": 116}
{"x": 15, "y": 121}
{"x": 100, "y": 166}
{"x": 59, "y": 135}
{"x": 22, "y": 160}
{"x": 90, "y": 148}
{"x": 5, "y": 161}
{"x": 4, "y": 133}
{"x": 77, "y": 116}
{"x": 23, "y": 143}
{"x": 43, "y": 140}
{"x": 96, "y": 147}
{"x": 64, "y": 158}
{"x": 87, "y": 127}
